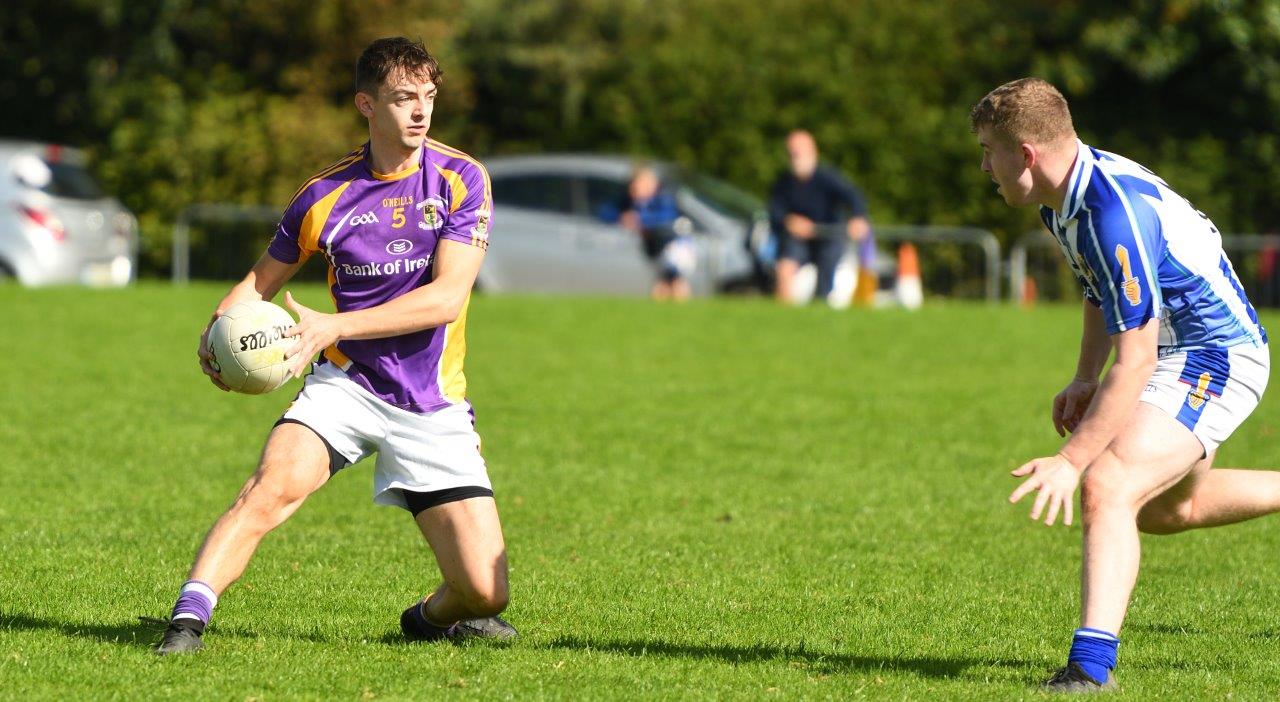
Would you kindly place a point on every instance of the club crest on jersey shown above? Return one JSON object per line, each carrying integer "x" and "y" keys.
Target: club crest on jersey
{"x": 366, "y": 218}
{"x": 481, "y": 229}
{"x": 1132, "y": 290}
{"x": 432, "y": 213}
{"x": 1081, "y": 267}
{"x": 1199, "y": 396}
{"x": 399, "y": 247}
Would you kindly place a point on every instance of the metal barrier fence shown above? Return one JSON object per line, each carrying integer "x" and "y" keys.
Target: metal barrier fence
{"x": 949, "y": 265}
{"x": 228, "y": 238}
{"x": 958, "y": 261}
{"x": 1036, "y": 261}
{"x": 219, "y": 214}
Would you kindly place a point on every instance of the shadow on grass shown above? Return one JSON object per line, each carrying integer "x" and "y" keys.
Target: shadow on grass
{"x": 145, "y": 634}
{"x": 134, "y": 634}
{"x": 138, "y": 633}
{"x": 827, "y": 663}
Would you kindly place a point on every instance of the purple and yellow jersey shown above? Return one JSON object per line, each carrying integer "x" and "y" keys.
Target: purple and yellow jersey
{"x": 378, "y": 233}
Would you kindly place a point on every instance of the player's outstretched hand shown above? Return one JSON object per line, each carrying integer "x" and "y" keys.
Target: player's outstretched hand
{"x": 1056, "y": 479}
{"x": 206, "y": 358}
{"x": 1069, "y": 405}
{"x": 315, "y": 331}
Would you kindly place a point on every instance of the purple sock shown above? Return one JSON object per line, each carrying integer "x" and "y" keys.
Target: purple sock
{"x": 196, "y": 601}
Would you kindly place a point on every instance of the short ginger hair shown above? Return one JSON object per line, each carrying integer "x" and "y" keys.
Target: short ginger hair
{"x": 1027, "y": 110}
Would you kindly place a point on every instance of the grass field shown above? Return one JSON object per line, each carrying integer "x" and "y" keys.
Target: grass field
{"x": 719, "y": 500}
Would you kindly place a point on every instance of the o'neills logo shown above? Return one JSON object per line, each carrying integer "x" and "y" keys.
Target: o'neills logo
{"x": 399, "y": 247}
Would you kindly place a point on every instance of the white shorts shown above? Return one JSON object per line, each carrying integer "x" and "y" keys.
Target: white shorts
{"x": 1210, "y": 391}
{"x": 678, "y": 259}
{"x": 418, "y": 452}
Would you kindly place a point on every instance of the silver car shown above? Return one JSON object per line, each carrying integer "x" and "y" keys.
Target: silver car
{"x": 56, "y": 225}
{"x": 552, "y": 234}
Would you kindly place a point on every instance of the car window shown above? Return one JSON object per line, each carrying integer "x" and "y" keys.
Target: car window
{"x": 71, "y": 181}
{"x": 721, "y": 196}
{"x": 545, "y": 193}
{"x": 604, "y": 196}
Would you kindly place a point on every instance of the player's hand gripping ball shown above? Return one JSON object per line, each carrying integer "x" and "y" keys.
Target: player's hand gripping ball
{"x": 247, "y": 344}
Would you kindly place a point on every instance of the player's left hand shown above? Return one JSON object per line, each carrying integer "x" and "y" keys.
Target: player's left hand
{"x": 315, "y": 331}
{"x": 1056, "y": 479}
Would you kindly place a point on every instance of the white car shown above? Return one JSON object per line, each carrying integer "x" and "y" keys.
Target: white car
{"x": 551, "y": 232}
{"x": 56, "y": 225}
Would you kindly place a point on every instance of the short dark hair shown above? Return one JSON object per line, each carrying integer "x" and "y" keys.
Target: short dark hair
{"x": 395, "y": 55}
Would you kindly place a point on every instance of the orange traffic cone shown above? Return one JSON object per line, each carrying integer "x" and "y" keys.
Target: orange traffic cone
{"x": 910, "y": 289}
{"x": 1029, "y": 292}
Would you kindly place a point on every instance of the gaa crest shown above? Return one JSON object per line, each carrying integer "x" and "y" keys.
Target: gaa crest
{"x": 481, "y": 229}
{"x": 432, "y": 213}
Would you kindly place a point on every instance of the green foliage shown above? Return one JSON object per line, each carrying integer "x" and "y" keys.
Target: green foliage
{"x": 236, "y": 101}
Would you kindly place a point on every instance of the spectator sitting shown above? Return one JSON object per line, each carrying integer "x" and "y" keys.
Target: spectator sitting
{"x": 815, "y": 212}
{"x": 650, "y": 211}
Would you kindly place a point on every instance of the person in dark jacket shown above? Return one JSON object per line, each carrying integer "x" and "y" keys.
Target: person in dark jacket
{"x": 814, "y": 211}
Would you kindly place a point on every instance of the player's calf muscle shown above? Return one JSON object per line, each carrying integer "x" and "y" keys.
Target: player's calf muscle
{"x": 487, "y": 598}
{"x": 1161, "y": 518}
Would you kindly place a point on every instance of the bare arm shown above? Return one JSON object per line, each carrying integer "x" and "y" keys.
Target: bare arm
{"x": 262, "y": 283}
{"x": 432, "y": 305}
{"x": 1095, "y": 345}
{"x": 1056, "y": 477}
{"x": 1117, "y": 396}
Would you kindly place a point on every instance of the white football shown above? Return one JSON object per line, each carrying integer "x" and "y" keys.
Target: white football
{"x": 248, "y": 344}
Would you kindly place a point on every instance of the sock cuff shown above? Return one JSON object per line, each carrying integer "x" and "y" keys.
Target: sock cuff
{"x": 1097, "y": 634}
{"x": 200, "y": 588}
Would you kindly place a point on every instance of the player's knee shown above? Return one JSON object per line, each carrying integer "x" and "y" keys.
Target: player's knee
{"x": 267, "y": 501}
{"x": 1094, "y": 493}
{"x": 1104, "y": 489}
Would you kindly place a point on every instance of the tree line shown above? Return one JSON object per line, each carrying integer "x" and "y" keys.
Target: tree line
{"x": 184, "y": 101}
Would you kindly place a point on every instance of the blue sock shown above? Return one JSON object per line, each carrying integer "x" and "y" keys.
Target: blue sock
{"x": 1094, "y": 650}
{"x": 196, "y": 601}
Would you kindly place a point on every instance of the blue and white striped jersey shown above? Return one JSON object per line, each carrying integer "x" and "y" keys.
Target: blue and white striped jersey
{"x": 1142, "y": 252}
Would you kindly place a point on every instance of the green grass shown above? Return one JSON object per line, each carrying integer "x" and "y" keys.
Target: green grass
{"x": 719, "y": 500}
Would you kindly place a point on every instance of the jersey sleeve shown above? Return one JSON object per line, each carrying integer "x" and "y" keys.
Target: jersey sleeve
{"x": 1121, "y": 264}
{"x": 286, "y": 246}
{"x": 471, "y": 214}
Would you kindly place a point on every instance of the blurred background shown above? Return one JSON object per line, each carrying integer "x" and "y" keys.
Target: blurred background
{"x": 200, "y": 119}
